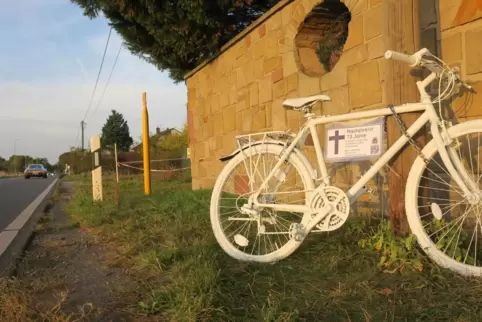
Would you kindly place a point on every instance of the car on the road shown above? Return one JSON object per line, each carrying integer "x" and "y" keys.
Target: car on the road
{"x": 35, "y": 170}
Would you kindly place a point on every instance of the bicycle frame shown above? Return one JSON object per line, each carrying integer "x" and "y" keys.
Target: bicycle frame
{"x": 429, "y": 115}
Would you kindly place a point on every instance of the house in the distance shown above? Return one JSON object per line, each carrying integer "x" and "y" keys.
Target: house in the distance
{"x": 157, "y": 136}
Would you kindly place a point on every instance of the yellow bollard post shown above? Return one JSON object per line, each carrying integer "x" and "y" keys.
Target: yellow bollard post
{"x": 145, "y": 147}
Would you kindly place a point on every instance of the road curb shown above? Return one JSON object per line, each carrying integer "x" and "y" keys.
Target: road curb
{"x": 15, "y": 238}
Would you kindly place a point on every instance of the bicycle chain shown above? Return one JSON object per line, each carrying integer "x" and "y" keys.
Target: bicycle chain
{"x": 403, "y": 128}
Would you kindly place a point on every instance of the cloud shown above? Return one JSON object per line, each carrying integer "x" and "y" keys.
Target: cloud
{"x": 46, "y": 117}
{"x": 48, "y": 72}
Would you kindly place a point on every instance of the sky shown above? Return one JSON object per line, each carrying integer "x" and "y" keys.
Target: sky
{"x": 49, "y": 62}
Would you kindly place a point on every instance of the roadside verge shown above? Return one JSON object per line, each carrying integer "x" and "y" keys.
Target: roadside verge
{"x": 16, "y": 236}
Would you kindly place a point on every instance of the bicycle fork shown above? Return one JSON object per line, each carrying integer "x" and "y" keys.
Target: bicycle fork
{"x": 454, "y": 165}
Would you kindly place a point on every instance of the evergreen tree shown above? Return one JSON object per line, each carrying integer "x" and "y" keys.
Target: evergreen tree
{"x": 116, "y": 130}
{"x": 176, "y": 35}
{"x": 3, "y": 164}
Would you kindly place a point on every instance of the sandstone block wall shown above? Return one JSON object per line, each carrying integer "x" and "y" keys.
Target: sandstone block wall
{"x": 461, "y": 31}
{"x": 241, "y": 91}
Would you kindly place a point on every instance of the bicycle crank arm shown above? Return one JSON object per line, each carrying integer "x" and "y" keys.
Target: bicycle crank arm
{"x": 303, "y": 231}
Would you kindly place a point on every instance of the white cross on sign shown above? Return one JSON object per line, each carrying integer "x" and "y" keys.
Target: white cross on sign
{"x": 345, "y": 143}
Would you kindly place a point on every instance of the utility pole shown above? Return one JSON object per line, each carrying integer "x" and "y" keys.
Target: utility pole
{"x": 15, "y": 154}
{"x": 82, "y": 124}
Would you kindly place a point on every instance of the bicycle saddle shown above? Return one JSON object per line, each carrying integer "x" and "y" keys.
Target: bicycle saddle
{"x": 297, "y": 103}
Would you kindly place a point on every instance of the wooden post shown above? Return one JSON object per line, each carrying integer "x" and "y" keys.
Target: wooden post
{"x": 401, "y": 33}
{"x": 116, "y": 175}
{"x": 96, "y": 168}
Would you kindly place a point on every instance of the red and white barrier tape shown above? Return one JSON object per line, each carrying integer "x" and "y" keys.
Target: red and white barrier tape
{"x": 134, "y": 162}
{"x": 142, "y": 169}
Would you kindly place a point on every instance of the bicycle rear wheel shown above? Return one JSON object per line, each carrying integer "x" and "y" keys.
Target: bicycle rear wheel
{"x": 263, "y": 236}
{"x": 447, "y": 225}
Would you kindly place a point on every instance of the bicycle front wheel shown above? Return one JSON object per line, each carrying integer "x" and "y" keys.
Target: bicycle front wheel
{"x": 448, "y": 227}
{"x": 259, "y": 235}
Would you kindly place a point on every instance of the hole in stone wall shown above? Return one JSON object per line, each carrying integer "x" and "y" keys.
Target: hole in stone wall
{"x": 321, "y": 37}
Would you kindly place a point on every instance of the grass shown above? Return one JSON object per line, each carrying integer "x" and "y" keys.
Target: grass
{"x": 166, "y": 240}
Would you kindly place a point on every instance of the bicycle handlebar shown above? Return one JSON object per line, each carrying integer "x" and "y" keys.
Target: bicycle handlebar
{"x": 412, "y": 60}
{"x": 409, "y": 59}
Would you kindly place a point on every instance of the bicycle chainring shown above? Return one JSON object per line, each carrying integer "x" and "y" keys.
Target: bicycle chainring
{"x": 336, "y": 219}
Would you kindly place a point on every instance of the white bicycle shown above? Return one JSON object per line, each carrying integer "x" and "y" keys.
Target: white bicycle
{"x": 276, "y": 197}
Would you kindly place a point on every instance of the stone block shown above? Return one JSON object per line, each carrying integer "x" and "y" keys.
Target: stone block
{"x": 374, "y": 3}
{"x": 376, "y": 48}
{"x": 294, "y": 122}
{"x": 278, "y": 115}
{"x": 217, "y": 123}
{"x": 458, "y": 12}
{"x": 219, "y": 140}
{"x": 243, "y": 100}
{"x": 233, "y": 95}
{"x": 355, "y": 33}
{"x": 268, "y": 109}
{"x": 271, "y": 47}
{"x": 191, "y": 94}
{"x": 258, "y": 68}
{"x": 247, "y": 120}
{"x": 308, "y": 85}
{"x": 262, "y": 30}
{"x": 196, "y": 183}
{"x": 274, "y": 22}
{"x": 357, "y": 7}
{"x": 253, "y": 94}
{"x": 338, "y": 76}
{"x": 373, "y": 22}
{"x": 207, "y": 183}
{"x": 292, "y": 82}
{"x": 240, "y": 77}
{"x": 208, "y": 129}
{"x": 239, "y": 122}
{"x": 199, "y": 148}
{"x": 289, "y": 64}
{"x": 279, "y": 89}
{"x": 287, "y": 14}
{"x": 277, "y": 75}
{"x": 469, "y": 105}
{"x": 229, "y": 142}
{"x": 473, "y": 51}
{"x": 249, "y": 74}
{"x": 247, "y": 41}
{"x": 210, "y": 146}
{"x": 232, "y": 78}
{"x": 452, "y": 48}
{"x": 229, "y": 118}
{"x": 364, "y": 84}
{"x": 258, "y": 49}
{"x": 271, "y": 64}
{"x": 299, "y": 14}
{"x": 265, "y": 92}
{"x": 224, "y": 96}
{"x": 259, "y": 119}
{"x": 340, "y": 101}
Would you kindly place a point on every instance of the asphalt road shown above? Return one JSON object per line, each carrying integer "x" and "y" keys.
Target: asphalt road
{"x": 16, "y": 194}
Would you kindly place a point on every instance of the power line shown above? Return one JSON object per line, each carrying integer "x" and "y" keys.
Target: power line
{"x": 77, "y": 139}
{"x": 98, "y": 74}
{"x": 96, "y": 83}
{"x": 108, "y": 80}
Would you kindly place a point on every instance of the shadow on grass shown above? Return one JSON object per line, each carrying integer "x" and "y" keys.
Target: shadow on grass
{"x": 166, "y": 239}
